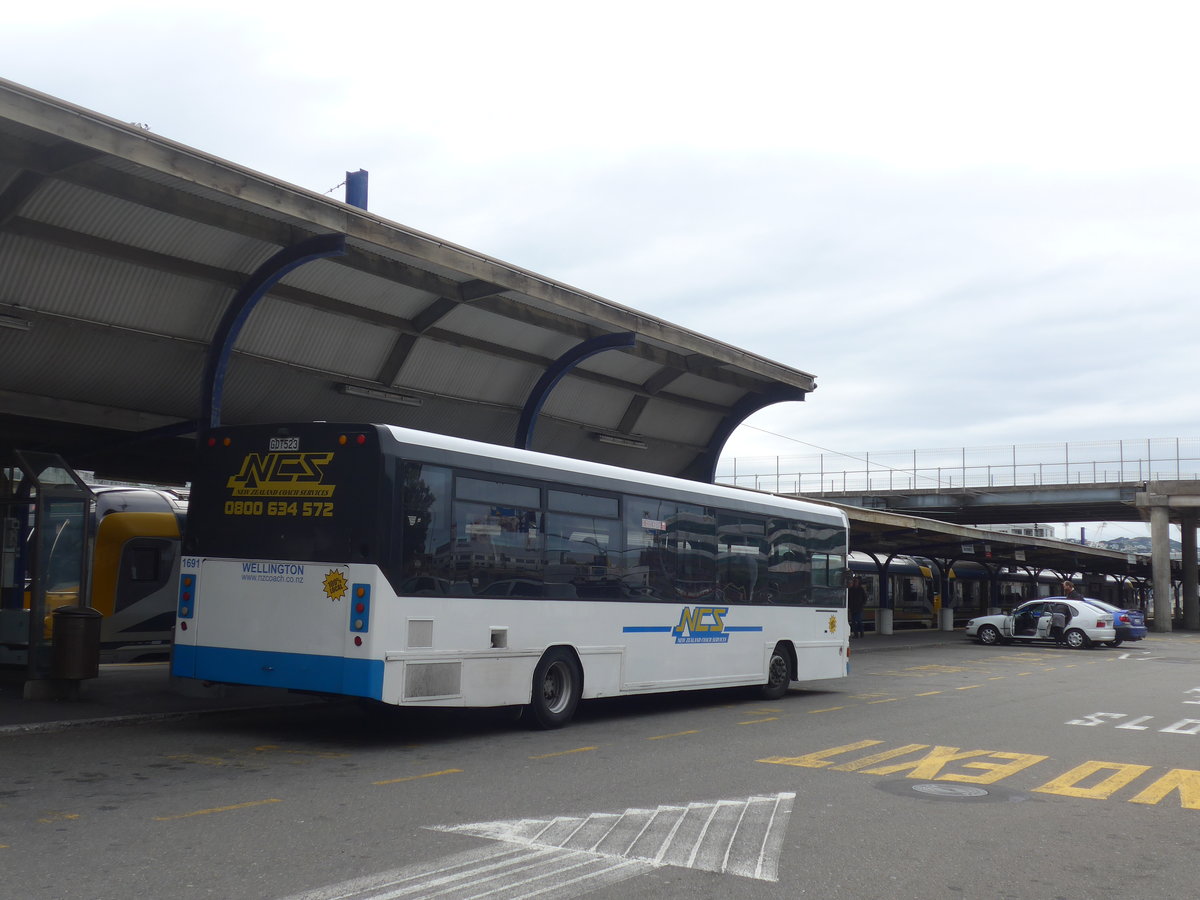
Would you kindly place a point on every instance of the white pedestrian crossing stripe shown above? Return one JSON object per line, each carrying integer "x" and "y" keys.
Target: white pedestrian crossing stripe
{"x": 566, "y": 856}
{"x": 741, "y": 837}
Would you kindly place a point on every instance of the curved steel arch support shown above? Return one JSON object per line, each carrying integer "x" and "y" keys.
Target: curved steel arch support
{"x": 704, "y": 466}
{"x": 554, "y": 374}
{"x": 243, "y": 303}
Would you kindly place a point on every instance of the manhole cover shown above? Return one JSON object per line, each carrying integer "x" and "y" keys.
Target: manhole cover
{"x": 950, "y": 790}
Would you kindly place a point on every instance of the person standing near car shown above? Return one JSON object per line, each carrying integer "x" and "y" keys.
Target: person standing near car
{"x": 1069, "y": 591}
{"x": 1058, "y": 623}
{"x": 856, "y": 602}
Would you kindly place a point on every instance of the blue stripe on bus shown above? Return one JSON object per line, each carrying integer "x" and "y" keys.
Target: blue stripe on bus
{"x": 293, "y": 671}
{"x": 647, "y": 629}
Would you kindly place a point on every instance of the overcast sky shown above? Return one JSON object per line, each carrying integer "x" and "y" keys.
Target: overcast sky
{"x": 976, "y": 223}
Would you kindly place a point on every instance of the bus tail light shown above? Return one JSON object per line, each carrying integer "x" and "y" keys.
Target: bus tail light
{"x": 360, "y": 610}
{"x": 187, "y": 596}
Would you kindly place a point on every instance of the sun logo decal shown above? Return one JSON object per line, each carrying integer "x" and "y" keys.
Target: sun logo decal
{"x": 335, "y": 585}
{"x": 833, "y": 624}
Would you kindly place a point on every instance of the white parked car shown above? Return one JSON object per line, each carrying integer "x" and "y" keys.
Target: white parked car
{"x": 1084, "y": 624}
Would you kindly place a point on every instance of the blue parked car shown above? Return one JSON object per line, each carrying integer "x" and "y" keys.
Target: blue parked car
{"x": 1129, "y": 623}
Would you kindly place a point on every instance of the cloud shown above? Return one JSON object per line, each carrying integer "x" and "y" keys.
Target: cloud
{"x": 974, "y": 224}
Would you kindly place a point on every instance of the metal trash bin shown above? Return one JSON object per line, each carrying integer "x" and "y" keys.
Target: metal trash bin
{"x": 75, "y": 631}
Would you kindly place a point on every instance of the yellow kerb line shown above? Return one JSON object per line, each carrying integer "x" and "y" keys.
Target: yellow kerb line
{"x": 205, "y": 812}
{"x": 417, "y": 777}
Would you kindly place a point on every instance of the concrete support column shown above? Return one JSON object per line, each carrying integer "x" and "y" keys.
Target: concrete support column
{"x": 947, "y": 616}
{"x": 1191, "y": 600}
{"x": 1160, "y": 564}
{"x": 883, "y": 620}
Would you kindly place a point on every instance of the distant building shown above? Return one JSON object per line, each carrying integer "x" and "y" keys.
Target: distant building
{"x": 1036, "y": 531}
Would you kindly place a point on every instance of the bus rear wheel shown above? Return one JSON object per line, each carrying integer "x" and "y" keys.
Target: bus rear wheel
{"x": 557, "y": 686}
{"x": 779, "y": 674}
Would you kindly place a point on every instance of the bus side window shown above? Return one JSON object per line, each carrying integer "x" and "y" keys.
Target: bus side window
{"x": 742, "y": 561}
{"x": 789, "y": 567}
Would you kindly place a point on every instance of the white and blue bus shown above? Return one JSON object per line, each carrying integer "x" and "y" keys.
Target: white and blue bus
{"x": 423, "y": 570}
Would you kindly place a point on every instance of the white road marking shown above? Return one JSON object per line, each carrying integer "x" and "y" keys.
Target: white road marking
{"x": 566, "y": 856}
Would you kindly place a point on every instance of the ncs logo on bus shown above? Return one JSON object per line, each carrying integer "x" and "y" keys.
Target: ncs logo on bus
{"x": 701, "y": 625}
{"x": 282, "y": 475}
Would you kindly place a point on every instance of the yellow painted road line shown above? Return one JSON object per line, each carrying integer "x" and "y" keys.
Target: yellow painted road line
{"x": 968, "y": 687}
{"x": 205, "y": 812}
{"x": 58, "y": 817}
{"x": 663, "y": 737}
{"x": 928, "y": 693}
{"x": 888, "y": 700}
{"x": 418, "y": 777}
{"x": 564, "y": 752}
{"x": 827, "y": 709}
{"x": 760, "y": 721}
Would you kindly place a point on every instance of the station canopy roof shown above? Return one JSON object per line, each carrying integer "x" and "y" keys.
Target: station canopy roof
{"x": 123, "y": 251}
{"x": 886, "y": 534}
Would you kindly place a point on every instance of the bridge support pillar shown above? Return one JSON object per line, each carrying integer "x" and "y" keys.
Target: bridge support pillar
{"x": 1160, "y": 565}
{"x": 1191, "y": 600}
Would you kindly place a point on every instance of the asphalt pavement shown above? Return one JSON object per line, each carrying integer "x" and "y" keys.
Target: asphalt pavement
{"x": 126, "y": 694}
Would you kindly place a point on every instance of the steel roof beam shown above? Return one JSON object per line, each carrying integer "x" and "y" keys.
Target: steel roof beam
{"x": 554, "y": 374}
{"x": 243, "y": 303}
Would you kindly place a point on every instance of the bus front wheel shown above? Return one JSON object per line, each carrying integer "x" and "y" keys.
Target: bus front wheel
{"x": 557, "y": 686}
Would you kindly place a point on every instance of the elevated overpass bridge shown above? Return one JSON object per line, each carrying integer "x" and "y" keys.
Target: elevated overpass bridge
{"x": 1099, "y": 502}
{"x": 1147, "y": 480}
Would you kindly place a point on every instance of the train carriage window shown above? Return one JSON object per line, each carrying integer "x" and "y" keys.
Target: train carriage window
{"x": 146, "y": 565}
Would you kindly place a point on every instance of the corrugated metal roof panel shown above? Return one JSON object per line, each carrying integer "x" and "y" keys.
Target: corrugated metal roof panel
{"x": 66, "y": 205}
{"x": 330, "y": 278}
{"x": 99, "y": 289}
{"x": 315, "y": 339}
{"x": 124, "y": 371}
{"x": 458, "y": 372}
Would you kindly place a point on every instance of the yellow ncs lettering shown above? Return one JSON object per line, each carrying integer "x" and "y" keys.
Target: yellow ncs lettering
{"x": 819, "y": 759}
{"x": 1186, "y": 781}
{"x": 689, "y": 621}
{"x": 1068, "y": 784}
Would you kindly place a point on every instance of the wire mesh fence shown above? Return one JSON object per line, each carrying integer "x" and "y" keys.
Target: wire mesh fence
{"x": 1077, "y": 462}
